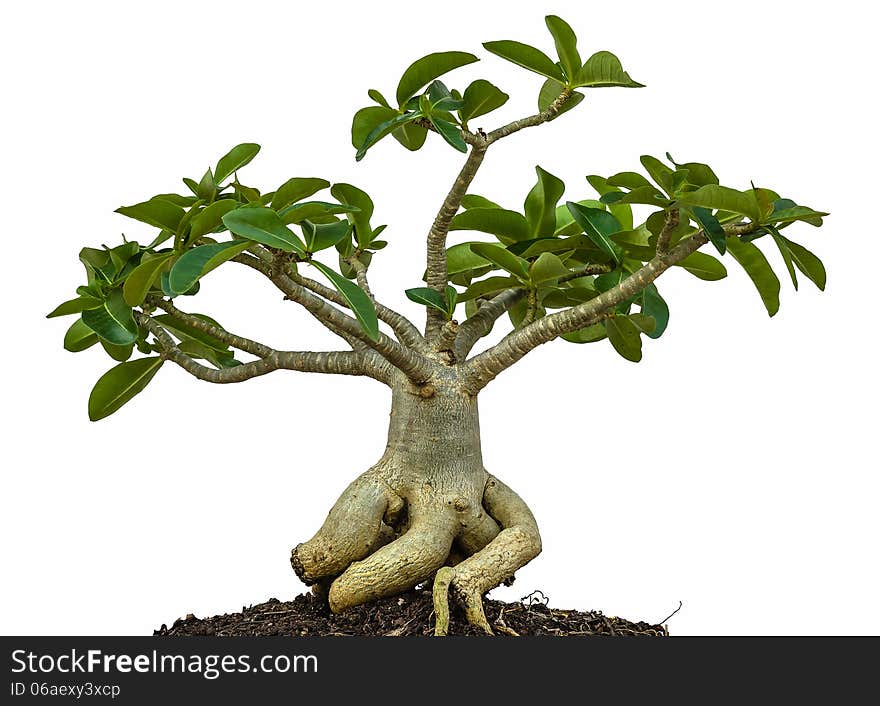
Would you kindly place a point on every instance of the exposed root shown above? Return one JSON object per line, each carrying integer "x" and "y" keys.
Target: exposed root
{"x": 355, "y": 527}
{"x": 373, "y": 545}
{"x": 517, "y": 544}
{"x": 398, "y": 566}
{"x": 477, "y": 534}
{"x": 441, "y": 600}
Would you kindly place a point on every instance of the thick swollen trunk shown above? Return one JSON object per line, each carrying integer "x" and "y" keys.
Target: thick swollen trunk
{"x": 428, "y": 503}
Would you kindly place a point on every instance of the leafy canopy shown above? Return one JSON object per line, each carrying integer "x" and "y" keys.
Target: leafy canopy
{"x": 554, "y": 253}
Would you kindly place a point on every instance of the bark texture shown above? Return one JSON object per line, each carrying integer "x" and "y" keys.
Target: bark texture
{"x": 428, "y": 505}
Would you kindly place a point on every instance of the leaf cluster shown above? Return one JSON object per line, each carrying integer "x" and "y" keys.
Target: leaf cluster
{"x": 565, "y": 253}
{"x": 220, "y": 219}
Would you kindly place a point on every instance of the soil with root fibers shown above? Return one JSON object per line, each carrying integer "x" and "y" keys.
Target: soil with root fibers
{"x": 408, "y": 614}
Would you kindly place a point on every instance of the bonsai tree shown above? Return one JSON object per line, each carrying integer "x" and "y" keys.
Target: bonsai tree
{"x": 583, "y": 271}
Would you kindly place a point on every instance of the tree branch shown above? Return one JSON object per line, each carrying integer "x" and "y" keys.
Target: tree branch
{"x": 591, "y": 269}
{"x": 550, "y": 112}
{"x": 329, "y": 362}
{"x": 673, "y": 217}
{"x": 482, "y": 369}
{"x": 478, "y": 325}
{"x": 243, "y": 344}
{"x": 409, "y": 362}
{"x": 405, "y": 331}
{"x": 436, "y": 271}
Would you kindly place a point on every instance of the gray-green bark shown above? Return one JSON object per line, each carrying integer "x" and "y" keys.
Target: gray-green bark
{"x": 427, "y": 503}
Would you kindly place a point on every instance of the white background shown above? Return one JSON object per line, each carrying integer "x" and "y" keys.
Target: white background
{"x": 733, "y": 469}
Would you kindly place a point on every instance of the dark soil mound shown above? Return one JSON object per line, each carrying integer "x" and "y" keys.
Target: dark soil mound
{"x": 408, "y": 614}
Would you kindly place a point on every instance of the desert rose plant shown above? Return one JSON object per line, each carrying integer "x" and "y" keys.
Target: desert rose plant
{"x": 577, "y": 270}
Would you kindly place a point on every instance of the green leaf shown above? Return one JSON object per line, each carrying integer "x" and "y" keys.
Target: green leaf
{"x": 382, "y": 130}
{"x": 460, "y": 258}
{"x": 179, "y": 199}
{"x": 296, "y": 189}
{"x": 118, "y": 353}
{"x": 565, "y": 223}
{"x": 622, "y": 212}
{"x": 481, "y": 97}
{"x": 528, "y": 249}
{"x": 75, "y": 306}
{"x": 324, "y": 235}
{"x": 422, "y": 71}
{"x": 142, "y": 277}
{"x": 490, "y": 285}
{"x": 598, "y": 225}
{"x": 440, "y": 98}
{"x": 194, "y": 349}
{"x": 121, "y": 254}
{"x": 113, "y": 322}
{"x": 186, "y": 332}
{"x": 547, "y": 268}
{"x": 644, "y": 323}
{"x": 366, "y": 120}
{"x": 609, "y": 280}
{"x": 759, "y": 271}
{"x": 79, "y": 337}
{"x": 703, "y": 266}
{"x": 698, "y": 174}
{"x": 378, "y": 97}
{"x": 636, "y": 243}
{"x": 234, "y": 160}
{"x": 210, "y": 219}
{"x": 450, "y": 132}
{"x": 411, "y": 136}
{"x": 550, "y": 90}
{"x": 360, "y": 219}
{"x": 315, "y": 211}
{"x": 155, "y": 212}
{"x": 660, "y": 173}
{"x": 807, "y": 263}
{"x": 566, "y": 46}
{"x": 655, "y": 306}
{"x": 796, "y": 213}
{"x": 196, "y": 263}
{"x": 764, "y": 198}
{"x": 517, "y": 313}
{"x": 648, "y": 195}
{"x": 120, "y": 384}
{"x": 785, "y": 252}
{"x": 711, "y": 227}
{"x": 97, "y": 262}
{"x": 477, "y": 201}
{"x": 192, "y": 185}
{"x": 625, "y": 337}
{"x": 723, "y": 198}
{"x": 603, "y": 69}
{"x": 507, "y": 226}
{"x": 502, "y": 257}
{"x": 590, "y": 334}
{"x": 569, "y": 296}
{"x": 526, "y": 56}
{"x": 629, "y": 180}
{"x": 540, "y": 204}
{"x": 427, "y": 297}
{"x": 263, "y": 225}
{"x": 357, "y": 299}
{"x": 206, "y": 188}
{"x": 450, "y": 294}
{"x": 246, "y": 194}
